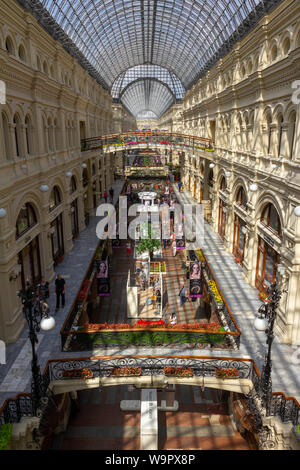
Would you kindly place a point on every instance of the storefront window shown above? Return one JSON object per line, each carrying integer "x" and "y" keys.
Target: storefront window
{"x": 267, "y": 261}
{"x": 271, "y": 219}
{"x": 29, "y": 259}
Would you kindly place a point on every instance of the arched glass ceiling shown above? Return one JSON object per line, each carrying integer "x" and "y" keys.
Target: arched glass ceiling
{"x": 148, "y": 71}
{"x": 184, "y": 36}
{"x": 147, "y": 95}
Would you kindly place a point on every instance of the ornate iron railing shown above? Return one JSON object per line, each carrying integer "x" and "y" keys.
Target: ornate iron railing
{"x": 287, "y": 408}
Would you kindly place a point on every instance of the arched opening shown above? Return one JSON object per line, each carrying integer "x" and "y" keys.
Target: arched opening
{"x": 55, "y": 198}
{"x": 274, "y": 53}
{"x": 57, "y": 233}
{"x": 222, "y": 210}
{"x": 38, "y": 64}
{"x": 269, "y": 133}
{"x": 25, "y": 220}
{"x": 279, "y": 133}
{"x": 28, "y": 134}
{"x": 73, "y": 185}
{"x": 85, "y": 177}
{"x": 286, "y": 46}
{"x": 50, "y": 134}
{"x": 22, "y": 54}
{"x": 292, "y": 132}
{"x": 17, "y": 134}
{"x": 6, "y": 135}
{"x": 239, "y": 234}
{"x": 267, "y": 256}
{"x": 9, "y": 46}
{"x": 45, "y": 67}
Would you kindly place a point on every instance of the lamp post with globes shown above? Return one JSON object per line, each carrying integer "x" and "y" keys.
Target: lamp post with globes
{"x": 37, "y": 317}
{"x": 265, "y": 322}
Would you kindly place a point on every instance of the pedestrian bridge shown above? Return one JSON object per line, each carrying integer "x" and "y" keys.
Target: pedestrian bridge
{"x": 144, "y": 139}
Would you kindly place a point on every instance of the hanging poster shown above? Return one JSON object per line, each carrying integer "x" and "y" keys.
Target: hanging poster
{"x": 103, "y": 278}
{"x": 180, "y": 242}
{"x": 116, "y": 243}
{"x": 195, "y": 279}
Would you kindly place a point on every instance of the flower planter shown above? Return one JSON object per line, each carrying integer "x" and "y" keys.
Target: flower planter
{"x": 227, "y": 373}
{"x": 181, "y": 372}
{"x": 78, "y": 374}
{"x": 126, "y": 372}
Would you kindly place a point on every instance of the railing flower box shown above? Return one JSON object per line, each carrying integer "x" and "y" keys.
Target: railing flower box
{"x": 78, "y": 374}
{"x": 215, "y": 292}
{"x": 178, "y": 371}
{"x": 296, "y": 432}
{"x": 230, "y": 373}
{"x": 126, "y": 372}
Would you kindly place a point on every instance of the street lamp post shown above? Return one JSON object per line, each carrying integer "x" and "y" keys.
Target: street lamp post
{"x": 37, "y": 318}
{"x": 265, "y": 322}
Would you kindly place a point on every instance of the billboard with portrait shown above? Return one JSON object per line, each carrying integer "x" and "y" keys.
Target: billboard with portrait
{"x": 103, "y": 278}
{"x": 195, "y": 279}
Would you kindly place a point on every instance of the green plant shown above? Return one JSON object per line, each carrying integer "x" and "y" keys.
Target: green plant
{"x": 148, "y": 244}
{"x": 5, "y": 435}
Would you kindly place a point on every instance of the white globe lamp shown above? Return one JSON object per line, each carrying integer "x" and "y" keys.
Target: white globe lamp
{"x": 47, "y": 323}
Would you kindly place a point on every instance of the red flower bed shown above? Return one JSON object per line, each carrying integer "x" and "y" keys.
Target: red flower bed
{"x": 152, "y": 324}
{"x": 124, "y": 371}
{"x": 78, "y": 374}
{"x": 227, "y": 373}
{"x": 179, "y": 371}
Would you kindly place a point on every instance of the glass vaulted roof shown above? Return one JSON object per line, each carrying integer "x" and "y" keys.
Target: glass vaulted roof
{"x": 147, "y": 95}
{"x": 118, "y": 40}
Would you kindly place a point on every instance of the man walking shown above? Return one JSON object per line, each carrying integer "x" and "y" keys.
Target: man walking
{"x": 105, "y": 196}
{"x": 182, "y": 295}
{"x": 60, "y": 289}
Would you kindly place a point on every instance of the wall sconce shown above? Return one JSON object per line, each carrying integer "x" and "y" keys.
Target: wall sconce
{"x": 15, "y": 272}
{"x": 297, "y": 211}
{"x": 44, "y": 188}
{"x": 227, "y": 174}
{"x": 24, "y": 166}
{"x": 211, "y": 165}
{"x": 53, "y": 157}
{"x": 84, "y": 197}
{"x": 69, "y": 174}
{"x": 51, "y": 232}
{"x": 84, "y": 165}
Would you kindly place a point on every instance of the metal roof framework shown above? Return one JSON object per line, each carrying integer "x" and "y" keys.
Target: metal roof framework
{"x": 110, "y": 38}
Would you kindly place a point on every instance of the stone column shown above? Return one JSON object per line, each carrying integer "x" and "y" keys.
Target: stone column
{"x": 284, "y": 146}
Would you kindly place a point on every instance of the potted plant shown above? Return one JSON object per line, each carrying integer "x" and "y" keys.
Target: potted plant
{"x": 5, "y": 436}
{"x": 78, "y": 374}
{"x": 264, "y": 297}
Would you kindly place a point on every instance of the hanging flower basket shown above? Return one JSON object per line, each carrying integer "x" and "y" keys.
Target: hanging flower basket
{"x": 127, "y": 371}
{"x": 178, "y": 371}
{"x": 230, "y": 373}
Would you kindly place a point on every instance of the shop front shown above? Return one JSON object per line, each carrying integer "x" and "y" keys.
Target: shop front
{"x": 239, "y": 239}
{"x": 267, "y": 261}
{"x": 29, "y": 259}
{"x": 74, "y": 219}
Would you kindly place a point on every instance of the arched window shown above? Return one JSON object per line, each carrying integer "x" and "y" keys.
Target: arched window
{"x": 274, "y": 53}
{"x": 50, "y": 134}
{"x": 22, "y": 54}
{"x": 279, "y": 123}
{"x": 26, "y": 219}
{"x": 93, "y": 169}
{"x": 85, "y": 177}
{"x": 38, "y": 64}
{"x": 269, "y": 131}
{"x": 9, "y": 46}
{"x": 55, "y": 198}
{"x": 28, "y": 133}
{"x": 73, "y": 185}
{"x": 5, "y": 126}
{"x": 241, "y": 198}
{"x": 292, "y": 132}
{"x": 17, "y": 131}
{"x": 211, "y": 178}
{"x": 286, "y": 46}
{"x": 223, "y": 184}
{"x": 45, "y": 67}
{"x": 45, "y": 135}
{"x": 270, "y": 219}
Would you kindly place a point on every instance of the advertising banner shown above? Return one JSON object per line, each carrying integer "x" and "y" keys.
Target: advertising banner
{"x": 195, "y": 279}
{"x": 103, "y": 278}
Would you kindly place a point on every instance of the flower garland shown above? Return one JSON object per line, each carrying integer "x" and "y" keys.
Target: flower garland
{"x": 78, "y": 373}
{"x": 211, "y": 327}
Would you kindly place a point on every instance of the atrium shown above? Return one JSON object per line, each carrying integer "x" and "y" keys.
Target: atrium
{"x": 150, "y": 225}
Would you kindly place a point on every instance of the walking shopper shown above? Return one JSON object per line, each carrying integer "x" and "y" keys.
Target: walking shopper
{"x": 173, "y": 318}
{"x": 174, "y": 247}
{"x": 128, "y": 248}
{"x": 182, "y": 295}
{"x": 44, "y": 290}
{"x": 105, "y": 195}
{"x": 111, "y": 193}
{"x": 60, "y": 289}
